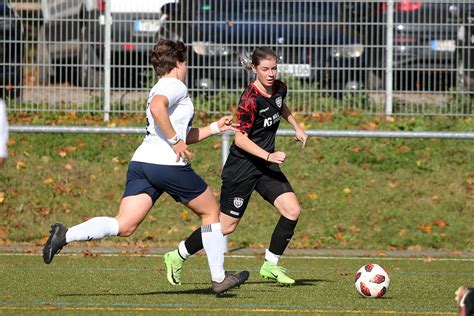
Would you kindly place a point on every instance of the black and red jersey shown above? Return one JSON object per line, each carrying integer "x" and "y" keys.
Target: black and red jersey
{"x": 259, "y": 116}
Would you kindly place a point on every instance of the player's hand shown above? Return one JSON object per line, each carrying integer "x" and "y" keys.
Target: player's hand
{"x": 301, "y": 136}
{"x": 182, "y": 152}
{"x": 225, "y": 124}
{"x": 277, "y": 157}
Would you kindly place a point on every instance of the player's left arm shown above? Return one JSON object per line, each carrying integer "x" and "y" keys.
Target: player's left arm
{"x": 197, "y": 134}
{"x": 300, "y": 133}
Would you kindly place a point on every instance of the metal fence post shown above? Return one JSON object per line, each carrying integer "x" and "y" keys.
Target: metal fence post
{"x": 107, "y": 53}
{"x": 389, "y": 62}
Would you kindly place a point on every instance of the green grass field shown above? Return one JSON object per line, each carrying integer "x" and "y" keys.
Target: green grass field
{"x": 381, "y": 195}
{"x": 124, "y": 284}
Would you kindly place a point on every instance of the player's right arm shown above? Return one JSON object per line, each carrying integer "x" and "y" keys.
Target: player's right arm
{"x": 243, "y": 142}
{"x": 245, "y": 119}
{"x": 159, "y": 110}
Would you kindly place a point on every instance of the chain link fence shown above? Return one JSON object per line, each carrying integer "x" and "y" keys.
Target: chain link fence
{"x": 401, "y": 57}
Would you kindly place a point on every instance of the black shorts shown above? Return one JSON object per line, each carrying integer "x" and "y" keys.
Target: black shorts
{"x": 181, "y": 182}
{"x": 241, "y": 176}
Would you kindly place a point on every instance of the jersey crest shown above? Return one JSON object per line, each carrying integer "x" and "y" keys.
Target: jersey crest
{"x": 238, "y": 202}
{"x": 279, "y": 101}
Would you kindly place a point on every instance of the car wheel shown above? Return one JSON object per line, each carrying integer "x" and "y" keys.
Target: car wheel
{"x": 43, "y": 58}
{"x": 90, "y": 73}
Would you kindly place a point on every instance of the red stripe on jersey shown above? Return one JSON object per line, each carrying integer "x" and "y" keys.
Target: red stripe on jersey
{"x": 246, "y": 110}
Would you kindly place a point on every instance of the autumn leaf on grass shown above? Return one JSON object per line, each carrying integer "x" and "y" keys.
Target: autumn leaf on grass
{"x": 20, "y": 165}
{"x": 369, "y": 126}
{"x": 68, "y": 166}
{"x": 347, "y": 190}
{"x": 403, "y": 149}
{"x": 48, "y": 180}
{"x": 89, "y": 254}
{"x": 356, "y": 149}
{"x": 426, "y": 228}
{"x": 185, "y": 215}
{"x": 63, "y": 152}
{"x": 2, "y": 197}
{"x": 392, "y": 185}
{"x": 216, "y": 145}
{"x": 312, "y": 196}
{"x": 440, "y": 223}
{"x": 3, "y": 233}
{"x": 341, "y": 238}
{"x": 322, "y": 117}
{"x": 435, "y": 198}
{"x": 43, "y": 211}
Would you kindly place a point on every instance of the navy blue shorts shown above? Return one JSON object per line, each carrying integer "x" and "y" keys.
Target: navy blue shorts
{"x": 181, "y": 182}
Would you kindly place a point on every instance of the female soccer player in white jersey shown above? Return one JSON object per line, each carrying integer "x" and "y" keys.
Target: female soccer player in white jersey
{"x": 160, "y": 165}
{"x": 253, "y": 164}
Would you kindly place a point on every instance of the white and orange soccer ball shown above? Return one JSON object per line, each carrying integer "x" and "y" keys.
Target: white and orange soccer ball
{"x": 372, "y": 281}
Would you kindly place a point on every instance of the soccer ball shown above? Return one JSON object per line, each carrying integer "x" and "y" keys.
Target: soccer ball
{"x": 372, "y": 281}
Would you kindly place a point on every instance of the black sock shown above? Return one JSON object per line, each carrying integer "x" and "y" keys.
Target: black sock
{"x": 282, "y": 234}
{"x": 194, "y": 242}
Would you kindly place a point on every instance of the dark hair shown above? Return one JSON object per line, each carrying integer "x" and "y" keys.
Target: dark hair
{"x": 259, "y": 54}
{"x": 165, "y": 54}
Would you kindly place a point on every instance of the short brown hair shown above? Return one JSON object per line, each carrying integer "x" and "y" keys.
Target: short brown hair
{"x": 165, "y": 54}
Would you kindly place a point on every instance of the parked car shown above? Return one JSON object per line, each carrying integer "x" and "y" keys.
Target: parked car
{"x": 465, "y": 52}
{"x": 424, "y": 43}
{"x": 73, "y": 34}
{"x": 12, "y": 38}
{"x": 310, "y": 38}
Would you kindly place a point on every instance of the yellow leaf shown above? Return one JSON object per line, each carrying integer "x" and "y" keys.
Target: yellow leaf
{"x": 184, "y": 214}
{"x": 111, "y": 124}
{"x": 312, "y": 196}
{"x": 115, "y": 159}
{"x": 68, "y": 166}
{"x": 435, "y": 198}
{"x": 116, "y": 169}
{"x": 2, "y": 197}
{"x": 347, "y": 190}
{"x": 48, "y": 180}
{"x": 390, "y": 119}
{"x": 418, "y": 162}
{"x": 392, "y": 185}
{"x": 402, "y": 232}
{"x": 426, "y": 228}
{"x": 20, "y": 165}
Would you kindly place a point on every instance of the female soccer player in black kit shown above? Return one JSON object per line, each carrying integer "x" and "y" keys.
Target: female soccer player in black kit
{"x": 253, "y": 164}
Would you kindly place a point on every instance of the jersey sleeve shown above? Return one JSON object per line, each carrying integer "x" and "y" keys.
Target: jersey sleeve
{"x": 246, "y": 112}
{"x": 172, "y": 91}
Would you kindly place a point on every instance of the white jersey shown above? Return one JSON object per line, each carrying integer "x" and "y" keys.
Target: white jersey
{"x": 155, "y": 147}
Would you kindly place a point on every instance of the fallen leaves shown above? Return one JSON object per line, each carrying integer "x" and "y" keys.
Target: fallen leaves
{"x": 63, "y": 152}
{"x": 20, "y": 165}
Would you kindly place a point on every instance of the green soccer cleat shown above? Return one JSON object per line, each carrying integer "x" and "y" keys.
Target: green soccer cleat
{"x": 174, "y": 264}
{"x": 271, "y": 271}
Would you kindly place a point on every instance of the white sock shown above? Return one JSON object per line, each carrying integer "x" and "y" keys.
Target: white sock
{"x": 183, "y": 251}
{"x": 270, "y": 256}
{"x": 95, "y": 228}
{"x": 214, "y": 244}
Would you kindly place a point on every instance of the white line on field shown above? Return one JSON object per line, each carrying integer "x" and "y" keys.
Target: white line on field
{"x": 254, "y": 256}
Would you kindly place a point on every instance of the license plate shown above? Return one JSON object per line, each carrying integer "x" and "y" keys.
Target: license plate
{"x": 443, "y": 46}
{"x": 147, "y": 25}
{"x": 296, "y": 70}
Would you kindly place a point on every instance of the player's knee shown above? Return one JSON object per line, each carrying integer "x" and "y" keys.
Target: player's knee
{"x": 293, "y": 212}
{"x": 126, "y": 230}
